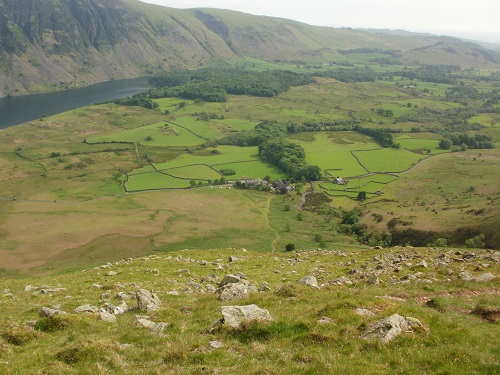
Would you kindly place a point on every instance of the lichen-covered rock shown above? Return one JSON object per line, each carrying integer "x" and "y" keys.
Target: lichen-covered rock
{"x": 388, "y": 328}
{"x": 234, "y": 316}
{"x": 144, "y": 322}
{"x": 309, "y": 281}
{"x": 233, "y": 291}
{"x": 86, "y": 308}
{"x": 373, "y": 279}
{"x": 45, "y": 312}
{"x": 488, "y": 276}
{"x": 324, "y": 320}
{"x": 147, "y": 300}
{"x": 465, "y": 275}
{"x": 107, "y": 317}
{"x": 363, "y": 312}
{"x": 230, "y": 279}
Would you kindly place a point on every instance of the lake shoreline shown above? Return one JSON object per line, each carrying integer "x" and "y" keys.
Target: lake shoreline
{"x": 13, "y": 109}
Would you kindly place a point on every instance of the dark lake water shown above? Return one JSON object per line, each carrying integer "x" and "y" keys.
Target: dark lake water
{"x": 19, "y": 109}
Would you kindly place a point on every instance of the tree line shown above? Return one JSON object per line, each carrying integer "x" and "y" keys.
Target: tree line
{"x": 213, "y": 85}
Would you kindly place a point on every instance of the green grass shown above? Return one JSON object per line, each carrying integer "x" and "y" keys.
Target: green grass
{"x": 455, "y": 341}
{"x": 425, "y": 143}
{"x": 388, "y": 160}
{"x": 154, "y": 180}
{"x": 158, "y": 134}
{"x": 198, "y": 172}
{"x": 251, "y": 169}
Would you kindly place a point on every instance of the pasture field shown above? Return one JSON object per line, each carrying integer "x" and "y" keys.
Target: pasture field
{"x": 203, "y": 129}
{"x": 422, "y": 143}
{"x": 332, "y": 152}
{"x": 159, "y": 134}
{"x": 370, "y": 184}
{"x": 243, "y": 160}
{"x": 387, "y": 160}
{"x": 155, "y": 181}
{"x": 237, "y": 124}
{"x": 201, "y": 171}
{"x": 223, "y": 155}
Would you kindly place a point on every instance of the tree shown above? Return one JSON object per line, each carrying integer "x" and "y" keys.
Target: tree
{"x": 445, "y": 144}
{"x": 362, "y": 196}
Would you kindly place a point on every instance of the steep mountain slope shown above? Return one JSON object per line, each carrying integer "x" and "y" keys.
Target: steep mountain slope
{"x": 54, "y": 44}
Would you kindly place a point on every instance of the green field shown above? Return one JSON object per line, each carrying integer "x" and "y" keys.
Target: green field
{"x": 424, "y": 143}
{"x": 243, "y": 160}
{"x": 155, "y": 180}
{"x": 370, "y": 184}
{"x": 388, "y": 160}
{"x": 159, "y": 134}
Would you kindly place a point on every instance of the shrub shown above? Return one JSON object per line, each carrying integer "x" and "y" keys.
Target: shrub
{"x": 290, "y": 247}
{"x": 477, "y": 241}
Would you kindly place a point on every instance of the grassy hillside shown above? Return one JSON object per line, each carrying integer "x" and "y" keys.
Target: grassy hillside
{"x": 453, "y": 294}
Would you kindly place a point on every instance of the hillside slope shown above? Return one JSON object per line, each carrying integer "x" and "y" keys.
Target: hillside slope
{"x": 56, "y": 44}
{"x": 325, "y": 307}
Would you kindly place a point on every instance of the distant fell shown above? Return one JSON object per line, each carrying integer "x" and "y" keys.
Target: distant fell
{"x": 56, "y": 44}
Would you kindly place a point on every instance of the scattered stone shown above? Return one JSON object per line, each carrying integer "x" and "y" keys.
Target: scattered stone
{"x": 422, "y": 264}
{"x": 232, "y": 259}
{"x": 45, "y": 312}
{"x": 213, "y": 278}
{"x": 234, "y": 316}
{"x": 342, "y": 281}
{"x": 233, "y": 291}
{"x": 106, "y": 295}
{"x": 123, "y": 296}
{"x": 142, "y": 321}
{"x": 363, "y": 312}
{"x": 215, "y": 344}
{"x": 391, "y": 298}
{"x": 309, "y": 281}
{"x": 147, "y": 300}
{"x": 230, "y": 279}
{"x": 97, "y": 286}
{"x": 115, "y": 310}
{"x": 488, "y": 276}
{"x": 52, "y": 290}
{"x": 86, "y": 308}
{"x": 466, "y": 276}
{"x": 373, "y": 279}
{"x": 324, "y": 320}
{"x": 112, "y": 273}
{"x": 106, "y": 317}
{"x": 29, "y": 288}
{"x": 264, "y": 287}
{"x": 388, "y": 328}
{"x": 210, "y": 288}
